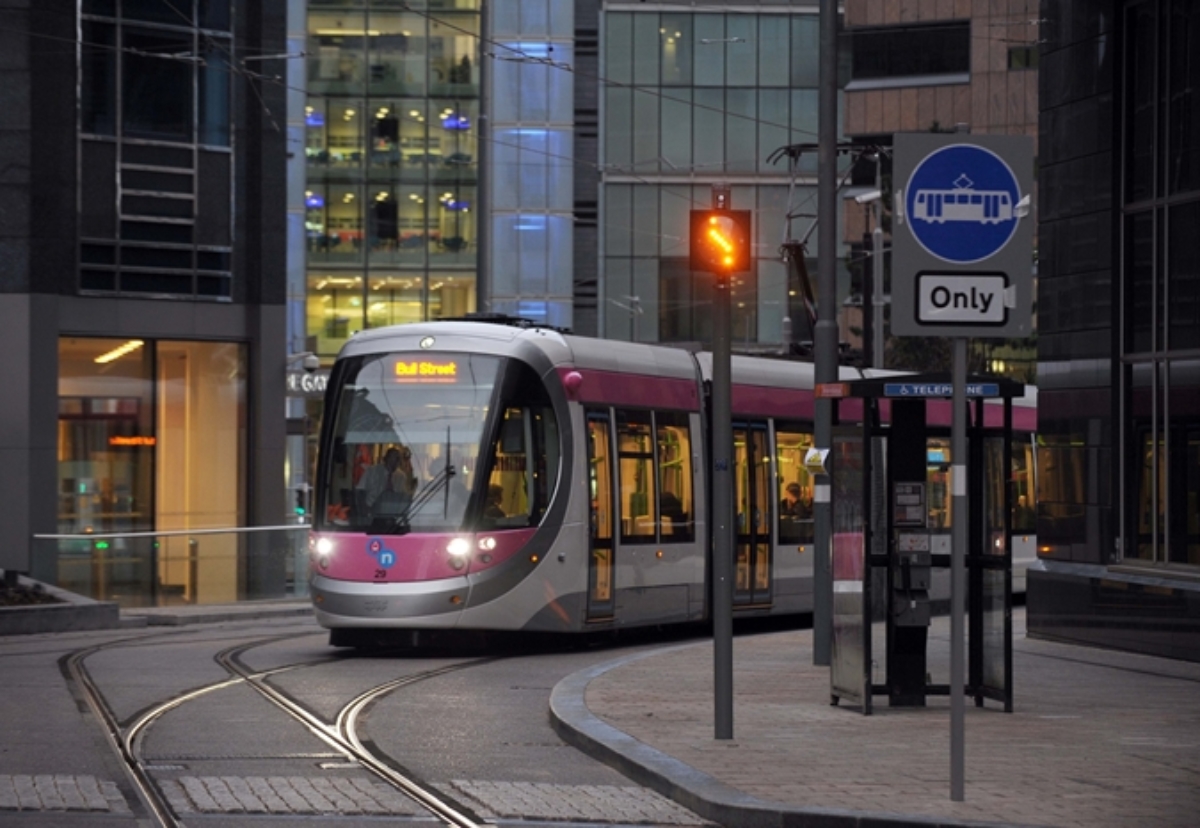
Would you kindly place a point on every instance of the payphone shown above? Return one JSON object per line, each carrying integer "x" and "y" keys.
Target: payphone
{"x": 895, "y": 477}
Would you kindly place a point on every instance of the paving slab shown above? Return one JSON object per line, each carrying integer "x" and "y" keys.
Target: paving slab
{"x": 1096, "y": 738}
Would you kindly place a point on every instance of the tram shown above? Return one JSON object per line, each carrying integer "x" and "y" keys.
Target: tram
{"x": 500, "y": 476}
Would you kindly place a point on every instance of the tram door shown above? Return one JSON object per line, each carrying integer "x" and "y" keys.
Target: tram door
{"x": 752, "y": 547}
{"x": 601, "y": 574}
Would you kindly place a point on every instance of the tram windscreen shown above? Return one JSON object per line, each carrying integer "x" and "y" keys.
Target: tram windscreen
{"x": 403, "y": 453}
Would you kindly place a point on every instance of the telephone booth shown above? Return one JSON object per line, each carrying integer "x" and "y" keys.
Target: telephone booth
{"x": 891, "y": 492}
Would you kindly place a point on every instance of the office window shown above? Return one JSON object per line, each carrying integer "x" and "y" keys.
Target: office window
{"x": 156, "y": 88}
{"x": 213, "y": 88}
{"x": 1022, "y": 57}
{"x": 98, "y": 90}
{"x": 911, "y": 51}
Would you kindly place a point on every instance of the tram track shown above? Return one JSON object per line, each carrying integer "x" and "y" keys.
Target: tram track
{"x": 342, "y": 734}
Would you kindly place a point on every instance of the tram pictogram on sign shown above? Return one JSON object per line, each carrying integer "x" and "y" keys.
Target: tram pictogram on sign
{"x": 961, "y": 201}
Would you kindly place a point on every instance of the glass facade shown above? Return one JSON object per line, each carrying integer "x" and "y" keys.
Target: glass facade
{"x": 531, "y": 168}
{"x": 152, "y": 436}
{"x": 694, "y": 100}
{"x": 155, "y": 116}
{"x": 1161, "y": 281}
{"x": 1119, "y": 287}
{"x": 391, "y": 145}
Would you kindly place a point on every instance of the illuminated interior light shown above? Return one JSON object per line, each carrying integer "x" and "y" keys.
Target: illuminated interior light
{"x": 414, "y": 113}
{"x": 119, "y": 351}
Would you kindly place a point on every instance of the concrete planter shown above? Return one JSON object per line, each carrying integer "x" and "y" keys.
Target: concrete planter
{"x": 71, "y": 613}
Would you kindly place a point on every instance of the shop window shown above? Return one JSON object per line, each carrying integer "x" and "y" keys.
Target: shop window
{"x": 151, "y": 437}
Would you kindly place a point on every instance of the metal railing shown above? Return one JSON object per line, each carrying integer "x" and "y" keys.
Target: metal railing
{"x": 173, "y": 567}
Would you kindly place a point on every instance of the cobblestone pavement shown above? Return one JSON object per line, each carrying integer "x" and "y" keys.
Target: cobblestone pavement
{"x": 316, "y": 796}
{"x": 60, "y": 793}
{"x": 351, "y": 796}
{"x": 571, "y": 803}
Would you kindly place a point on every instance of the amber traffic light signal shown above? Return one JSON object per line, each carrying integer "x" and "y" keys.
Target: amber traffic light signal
{"x": 720, "y": 241}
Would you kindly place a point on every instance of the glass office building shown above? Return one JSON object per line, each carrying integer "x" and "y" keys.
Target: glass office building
{"x": 693, "y": 99}
{"x": 391, "y": 146}
{"x": 1119, "y": 327}
{"x": 143, "y": 298}
{"x": 539, "y": 158}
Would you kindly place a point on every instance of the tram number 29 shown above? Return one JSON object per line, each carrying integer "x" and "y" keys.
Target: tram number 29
{"x": 380, "y": 574}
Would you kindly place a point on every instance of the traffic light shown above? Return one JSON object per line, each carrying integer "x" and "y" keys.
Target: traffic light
{"x": 720, "y": 241}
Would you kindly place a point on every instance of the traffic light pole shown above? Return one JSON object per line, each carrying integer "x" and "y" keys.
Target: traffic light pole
{"x": 722, "y": 509}
{"x": 825, "y": 338}
{"x": 720, "y": 243}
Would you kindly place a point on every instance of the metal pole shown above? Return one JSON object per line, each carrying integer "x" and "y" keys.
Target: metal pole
{"x": 825, "y": 339}
{"x": 958, "y": 552}
{"x": 722, "y": 509}
{"x": 877, "y": 270}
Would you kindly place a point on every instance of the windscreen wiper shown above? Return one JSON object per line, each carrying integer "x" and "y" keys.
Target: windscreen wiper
{"x": 427, "y": 491}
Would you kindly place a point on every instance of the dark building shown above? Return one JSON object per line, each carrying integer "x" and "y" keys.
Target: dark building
{"x": 1119, "y": 326}
{"x": 142, "y": 292}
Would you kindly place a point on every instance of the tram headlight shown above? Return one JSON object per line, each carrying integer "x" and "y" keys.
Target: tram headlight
{"x": 487, "y": 544}
{"x": 459, "y": 548}
{"x": 324, "y": 549}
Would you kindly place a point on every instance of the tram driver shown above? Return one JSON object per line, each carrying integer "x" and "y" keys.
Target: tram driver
{"x": 386, "y": 489}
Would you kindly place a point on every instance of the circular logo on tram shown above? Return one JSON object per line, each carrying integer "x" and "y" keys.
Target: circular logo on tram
{"x": 381, "y": 553}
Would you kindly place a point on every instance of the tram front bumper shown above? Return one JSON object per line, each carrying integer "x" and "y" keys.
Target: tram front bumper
{"x": 426, "y": 604}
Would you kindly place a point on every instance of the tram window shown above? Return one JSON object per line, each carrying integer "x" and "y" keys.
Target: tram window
{"x": 794, "y": 495}
{"x": 524, "y": 464}
{"x": 1024, "y": 517}
{"x": 635, "y": 463}
{"x": 675, "y": 496}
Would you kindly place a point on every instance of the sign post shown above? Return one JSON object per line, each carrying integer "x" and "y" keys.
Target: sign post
{"x": 962, "y": 266}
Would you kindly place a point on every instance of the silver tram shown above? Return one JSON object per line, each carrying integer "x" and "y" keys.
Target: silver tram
{"x": 499, "y": 476}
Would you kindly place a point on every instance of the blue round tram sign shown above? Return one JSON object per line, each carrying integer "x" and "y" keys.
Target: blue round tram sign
{"x": 961, "y": 202}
